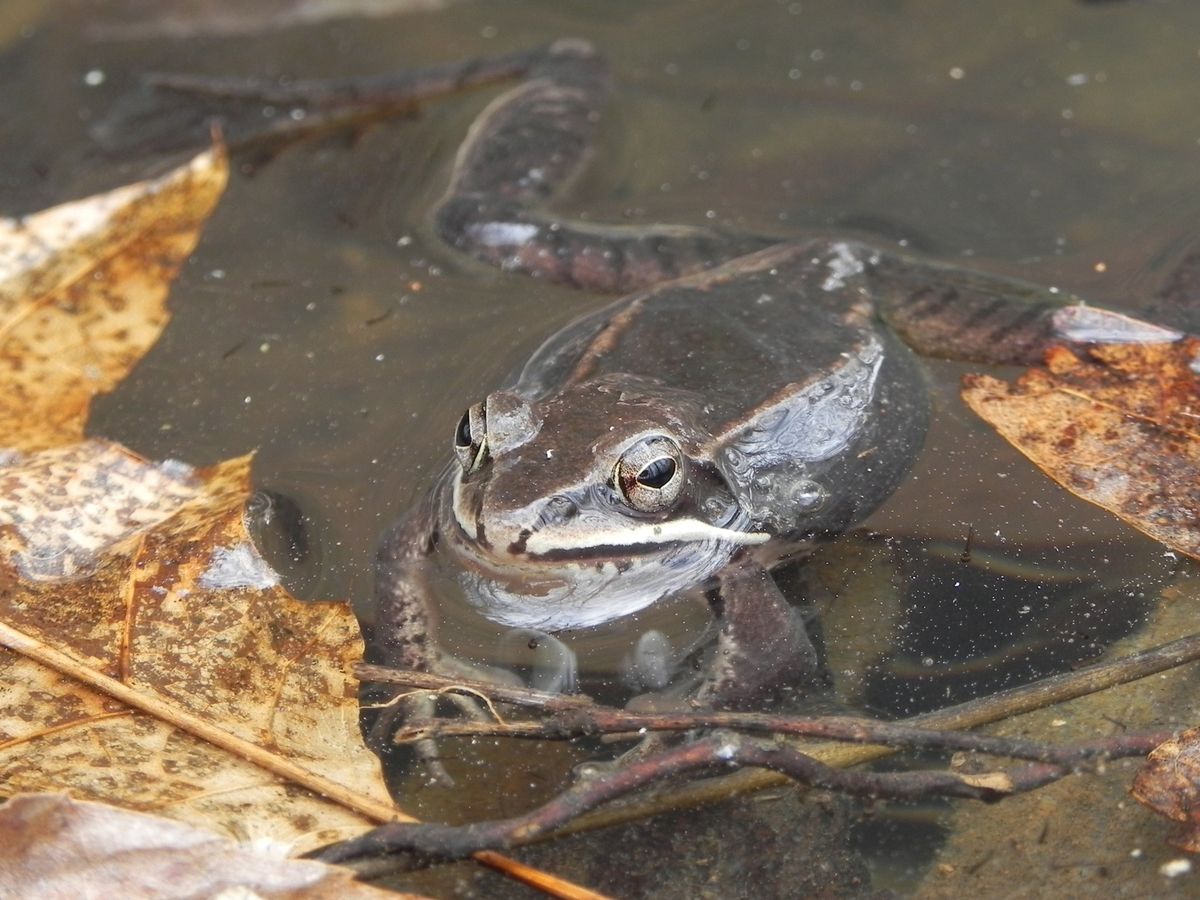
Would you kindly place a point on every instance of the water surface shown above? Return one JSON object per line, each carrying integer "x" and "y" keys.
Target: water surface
{"x": 322, "y": 325}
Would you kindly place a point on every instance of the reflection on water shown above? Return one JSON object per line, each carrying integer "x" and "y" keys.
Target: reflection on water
{"x": 912, "y": 626}
{"x": 321, "y": 323}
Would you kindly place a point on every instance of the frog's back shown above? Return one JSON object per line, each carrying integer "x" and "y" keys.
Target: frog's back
{"x": 802, "y": 390}
{"x": 735, "y": 336}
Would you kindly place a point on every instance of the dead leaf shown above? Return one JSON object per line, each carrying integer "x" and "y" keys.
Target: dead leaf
{"x": 82, "y": 291}
{"x": 154, "y": 660}
{"x": 161, "y": 665}
{"x": 1169, "y": 783}
{"x": 53, "y": 847}
{"x": 190, "y": 621}
{"x": 1119, "y": 427}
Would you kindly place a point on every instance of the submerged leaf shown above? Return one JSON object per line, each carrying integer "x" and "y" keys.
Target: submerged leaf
{"x": 1119, "y": 427}
{"x": 156, "y": 20}
{"x": 52, "y": 846}
{"x": 1169, "y": 783}
{"x": 82, "y": 295}
{"x": 157, "y": 652}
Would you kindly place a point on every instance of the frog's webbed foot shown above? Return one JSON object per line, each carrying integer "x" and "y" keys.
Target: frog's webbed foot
{"x": 412, "y": 711}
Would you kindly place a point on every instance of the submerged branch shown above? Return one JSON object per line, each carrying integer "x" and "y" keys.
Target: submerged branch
{"x": 763, "y": 762}
{"x": 573, "y": 716}
{"x": 717, "y": 753}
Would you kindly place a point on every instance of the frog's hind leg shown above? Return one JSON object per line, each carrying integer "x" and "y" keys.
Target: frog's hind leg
{"x": 526, "y": 148}
{"x": 951, "y": 313}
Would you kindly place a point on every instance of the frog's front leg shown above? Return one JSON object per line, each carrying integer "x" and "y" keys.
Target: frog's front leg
{"x": 763, "y": 643}
{"x": 402, "y": 637}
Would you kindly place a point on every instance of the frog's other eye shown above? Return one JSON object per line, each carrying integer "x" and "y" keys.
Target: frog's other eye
{"x": 470, "y": 439}
{"x": 649, "y": 475}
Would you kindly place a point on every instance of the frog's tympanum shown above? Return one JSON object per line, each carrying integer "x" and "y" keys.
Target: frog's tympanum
{"x": 748, "y": 397}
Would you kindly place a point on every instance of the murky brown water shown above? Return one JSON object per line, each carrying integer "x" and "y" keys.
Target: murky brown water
{"x": 320, "y": 323}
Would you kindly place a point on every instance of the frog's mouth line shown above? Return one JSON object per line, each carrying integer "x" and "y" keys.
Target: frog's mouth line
{"x": 542, "y": 544}
{"x": 551, "y": 544}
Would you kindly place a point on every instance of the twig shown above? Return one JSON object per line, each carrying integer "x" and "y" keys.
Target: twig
{"x": 972, "y": 714}
{"x": 1005, "y": 704}
{"x": 573, "y": 716}
{"x": 173, "y": 714}
{"x": 368, "y": 807}
{"x": 716, "y": 753}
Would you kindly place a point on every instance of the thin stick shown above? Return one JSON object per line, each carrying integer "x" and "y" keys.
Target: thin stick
{"x": 714, "y": 753}
{"x": 369, "y": 808}
{"x": 185, "y": 721}
{"x": 1002, "y": 705}
{"x": 974, "y": 713}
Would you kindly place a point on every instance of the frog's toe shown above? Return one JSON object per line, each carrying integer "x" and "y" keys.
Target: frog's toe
{"x": 411, "y": 712}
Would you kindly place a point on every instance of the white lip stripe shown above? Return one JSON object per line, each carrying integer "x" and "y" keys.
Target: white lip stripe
{"x": 661, "y": 533}
{"x": 648, "y": 533}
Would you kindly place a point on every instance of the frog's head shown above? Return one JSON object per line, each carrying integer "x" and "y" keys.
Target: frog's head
{"x": 602, "y": 487}
{"x": 600, "y": 469}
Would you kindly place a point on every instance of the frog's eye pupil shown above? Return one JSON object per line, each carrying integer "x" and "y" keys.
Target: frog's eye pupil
{"x": 649, "y": 474}
{"x": 462, "y": 434}
{"x": 657, "y": 473}
{"x": 470, "y": 439}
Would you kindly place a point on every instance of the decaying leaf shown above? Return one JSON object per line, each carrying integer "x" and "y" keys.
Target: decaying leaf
{"x": 1169, "y": 783}
{"x": 1119, "y": 427}
{"x": 53, "y": 847}
{"x": 82, "y": 291}
{"x": 142, "y": 612}
{"x": 188, "y": 617}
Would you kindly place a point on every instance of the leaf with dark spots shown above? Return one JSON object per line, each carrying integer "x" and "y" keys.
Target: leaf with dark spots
{"x": 1118, "y": 426}
{"x": 1169, "y": 784}
{"x": 154, "y": 661}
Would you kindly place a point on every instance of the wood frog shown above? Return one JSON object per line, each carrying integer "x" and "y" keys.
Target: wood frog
{"x": 746, "y": 398}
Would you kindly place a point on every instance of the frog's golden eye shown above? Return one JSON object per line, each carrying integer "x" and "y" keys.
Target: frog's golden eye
{"x": 649, "y": 475}
{"x": 470, "y": 439}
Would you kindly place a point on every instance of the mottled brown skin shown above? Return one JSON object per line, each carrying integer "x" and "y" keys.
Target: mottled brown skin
{"x": 745, "y": 353}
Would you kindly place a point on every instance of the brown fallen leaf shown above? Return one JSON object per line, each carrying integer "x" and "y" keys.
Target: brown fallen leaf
{"x": 54, "y": 847}
{"x": 157, "y": 650}
{"x": 82, "y": 295}
{"x": 1169, "y": 783}
{"x": 155, "y": 662}
{"x": 1119, "y": 427}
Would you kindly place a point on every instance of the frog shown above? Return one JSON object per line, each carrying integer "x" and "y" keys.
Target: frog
{"x": 745, "y": 398}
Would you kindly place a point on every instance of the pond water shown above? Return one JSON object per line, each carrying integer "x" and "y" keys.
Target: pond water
{"x": 321, "y": 324}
